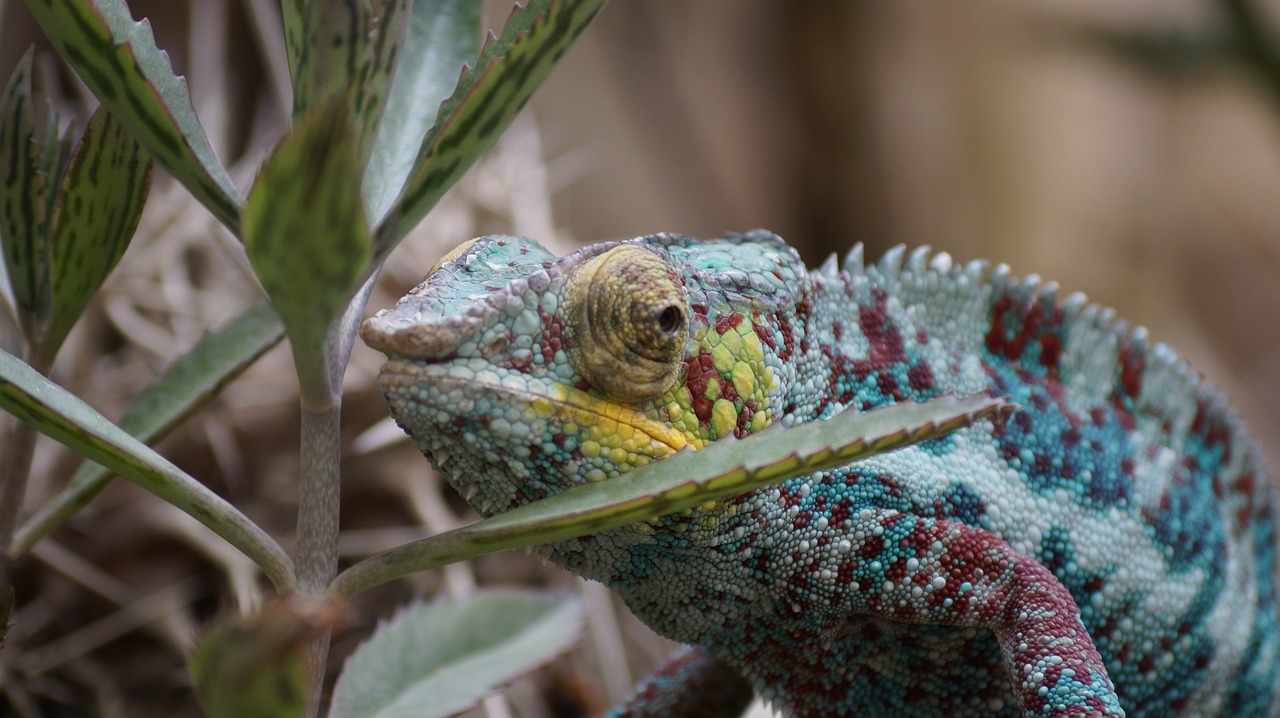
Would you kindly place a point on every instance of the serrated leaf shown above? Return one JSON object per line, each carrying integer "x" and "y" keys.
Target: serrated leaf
{"x": 690, "y": 478}
{"x": 55, "y": 412}
{"x": 188, "y": 384}
{"x": 118, "y": 59}
{"x": 436, "y": 659}
{"x": 305, "y": 230}
{"x": 23, "y": 205}
{"x": 443, "y": 35}
{"x": 97, "y": 210}
{"x": 486, "y": 99}
{"x": 351, "y": 48}
{"x": 256, "y": 666}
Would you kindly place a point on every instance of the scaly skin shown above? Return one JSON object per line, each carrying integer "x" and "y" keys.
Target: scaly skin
{"x": 1111, "y": 545}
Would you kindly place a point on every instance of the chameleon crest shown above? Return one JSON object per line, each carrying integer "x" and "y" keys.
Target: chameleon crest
{"x": 1108, "y": 549}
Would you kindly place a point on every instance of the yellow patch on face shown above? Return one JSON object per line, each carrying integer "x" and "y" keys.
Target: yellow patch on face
{"x": 744, "y": 379}
{"x": 724, "y": 417}
{"x": 606, "y": 431}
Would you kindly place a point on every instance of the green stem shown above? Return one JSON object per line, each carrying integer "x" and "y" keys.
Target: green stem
{"x": 316, "y": 557}
{"x": 320, "y": 482}
{"x": 318, "y": 498}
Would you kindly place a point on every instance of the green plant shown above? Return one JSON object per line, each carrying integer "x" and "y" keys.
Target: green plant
{"x": 64, "y": 229}
{"x": 380, "y": 132}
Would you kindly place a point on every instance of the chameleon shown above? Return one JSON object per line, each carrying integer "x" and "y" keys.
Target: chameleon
{"x": 1108, "y": 549}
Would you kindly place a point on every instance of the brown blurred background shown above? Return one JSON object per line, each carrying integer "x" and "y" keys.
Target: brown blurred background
{"x": 1117, "y": 149}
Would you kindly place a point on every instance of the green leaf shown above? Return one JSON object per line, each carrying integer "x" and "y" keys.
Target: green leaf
{"x": 293, "y": 12}
{"x": 484, "y": 102}
{"x": 97, "y": 210}
{"x": 23, "y": 205}
{"x": 55, "y": 412}
{"x": 256, "y": 666}
{"x": 118, "y": 59}
{"x": 305, "y": 231}
{"x": 351, "y": 49}
{"x": 690, "y": 478}
{"x": 188, "y": 384}
{"x": 436, "y": 659}
{"x": 443, "y": 36}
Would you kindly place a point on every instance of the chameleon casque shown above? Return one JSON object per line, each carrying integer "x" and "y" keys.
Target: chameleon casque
{"x": 1110, "y": 547}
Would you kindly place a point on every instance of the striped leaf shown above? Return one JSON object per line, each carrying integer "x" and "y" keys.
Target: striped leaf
{"x": 97, "y": 210}
{"x": 23, "y": 203}
{"x": 350, "y": 49}
{"x": 293, "y": 12}
{"x": 486, "y": 99}
{"x": 305, "y": 231}
{"x": 118, "y": 59}
{"x": 677, "y": 483}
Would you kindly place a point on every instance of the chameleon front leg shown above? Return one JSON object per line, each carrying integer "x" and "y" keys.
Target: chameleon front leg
{"x": 692, "y": 683}
{"x": 896, "y": 566}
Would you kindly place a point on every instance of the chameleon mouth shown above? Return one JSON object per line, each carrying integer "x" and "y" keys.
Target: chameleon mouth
{"x": 622, "y": 426}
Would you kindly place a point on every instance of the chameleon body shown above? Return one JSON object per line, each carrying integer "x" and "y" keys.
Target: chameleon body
{"x": 1108, "y": 548}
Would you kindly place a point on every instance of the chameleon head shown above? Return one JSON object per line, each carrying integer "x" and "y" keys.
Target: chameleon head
{"x": 519, "y": 373}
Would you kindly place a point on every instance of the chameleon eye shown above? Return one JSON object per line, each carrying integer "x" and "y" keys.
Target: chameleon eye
{"x": 627, "y": 312}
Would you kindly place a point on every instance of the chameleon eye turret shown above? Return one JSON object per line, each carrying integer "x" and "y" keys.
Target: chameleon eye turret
{"x": 628, "y": 315}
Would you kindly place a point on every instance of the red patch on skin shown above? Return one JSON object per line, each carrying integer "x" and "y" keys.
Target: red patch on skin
{"x": 886, "y": 342}
{"x": 553, "y": 337}
{"x": 698, "y": 371}
{"x": 765, "y": 336}
{"x": 896, "y": 571}
{"x": 1035, "y": 326}
{"x": 841, "y": 512}
{"x": 871, "y": 548}
{"x": 726, "y": 322}
{"x": 728, "y": 390}
{"x": 920, "y": 377}
{"x": 1050, "y": 351}
{"x": 1132, "y": 364}
{"x": 788, "y": 339}
{"x": 744, "y": 419}
{"x": 702, "y": 409}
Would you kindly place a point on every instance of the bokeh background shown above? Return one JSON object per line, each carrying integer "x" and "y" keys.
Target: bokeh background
{"x": 1127, "y": 150}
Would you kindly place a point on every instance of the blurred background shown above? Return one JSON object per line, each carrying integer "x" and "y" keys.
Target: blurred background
{"x": 1127, "y": 150}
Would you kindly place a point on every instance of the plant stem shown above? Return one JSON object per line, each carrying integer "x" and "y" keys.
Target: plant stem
{"x": 13, "y": 488}
{"x": 318, "y": 498}
{"x": 318, "y": 504}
